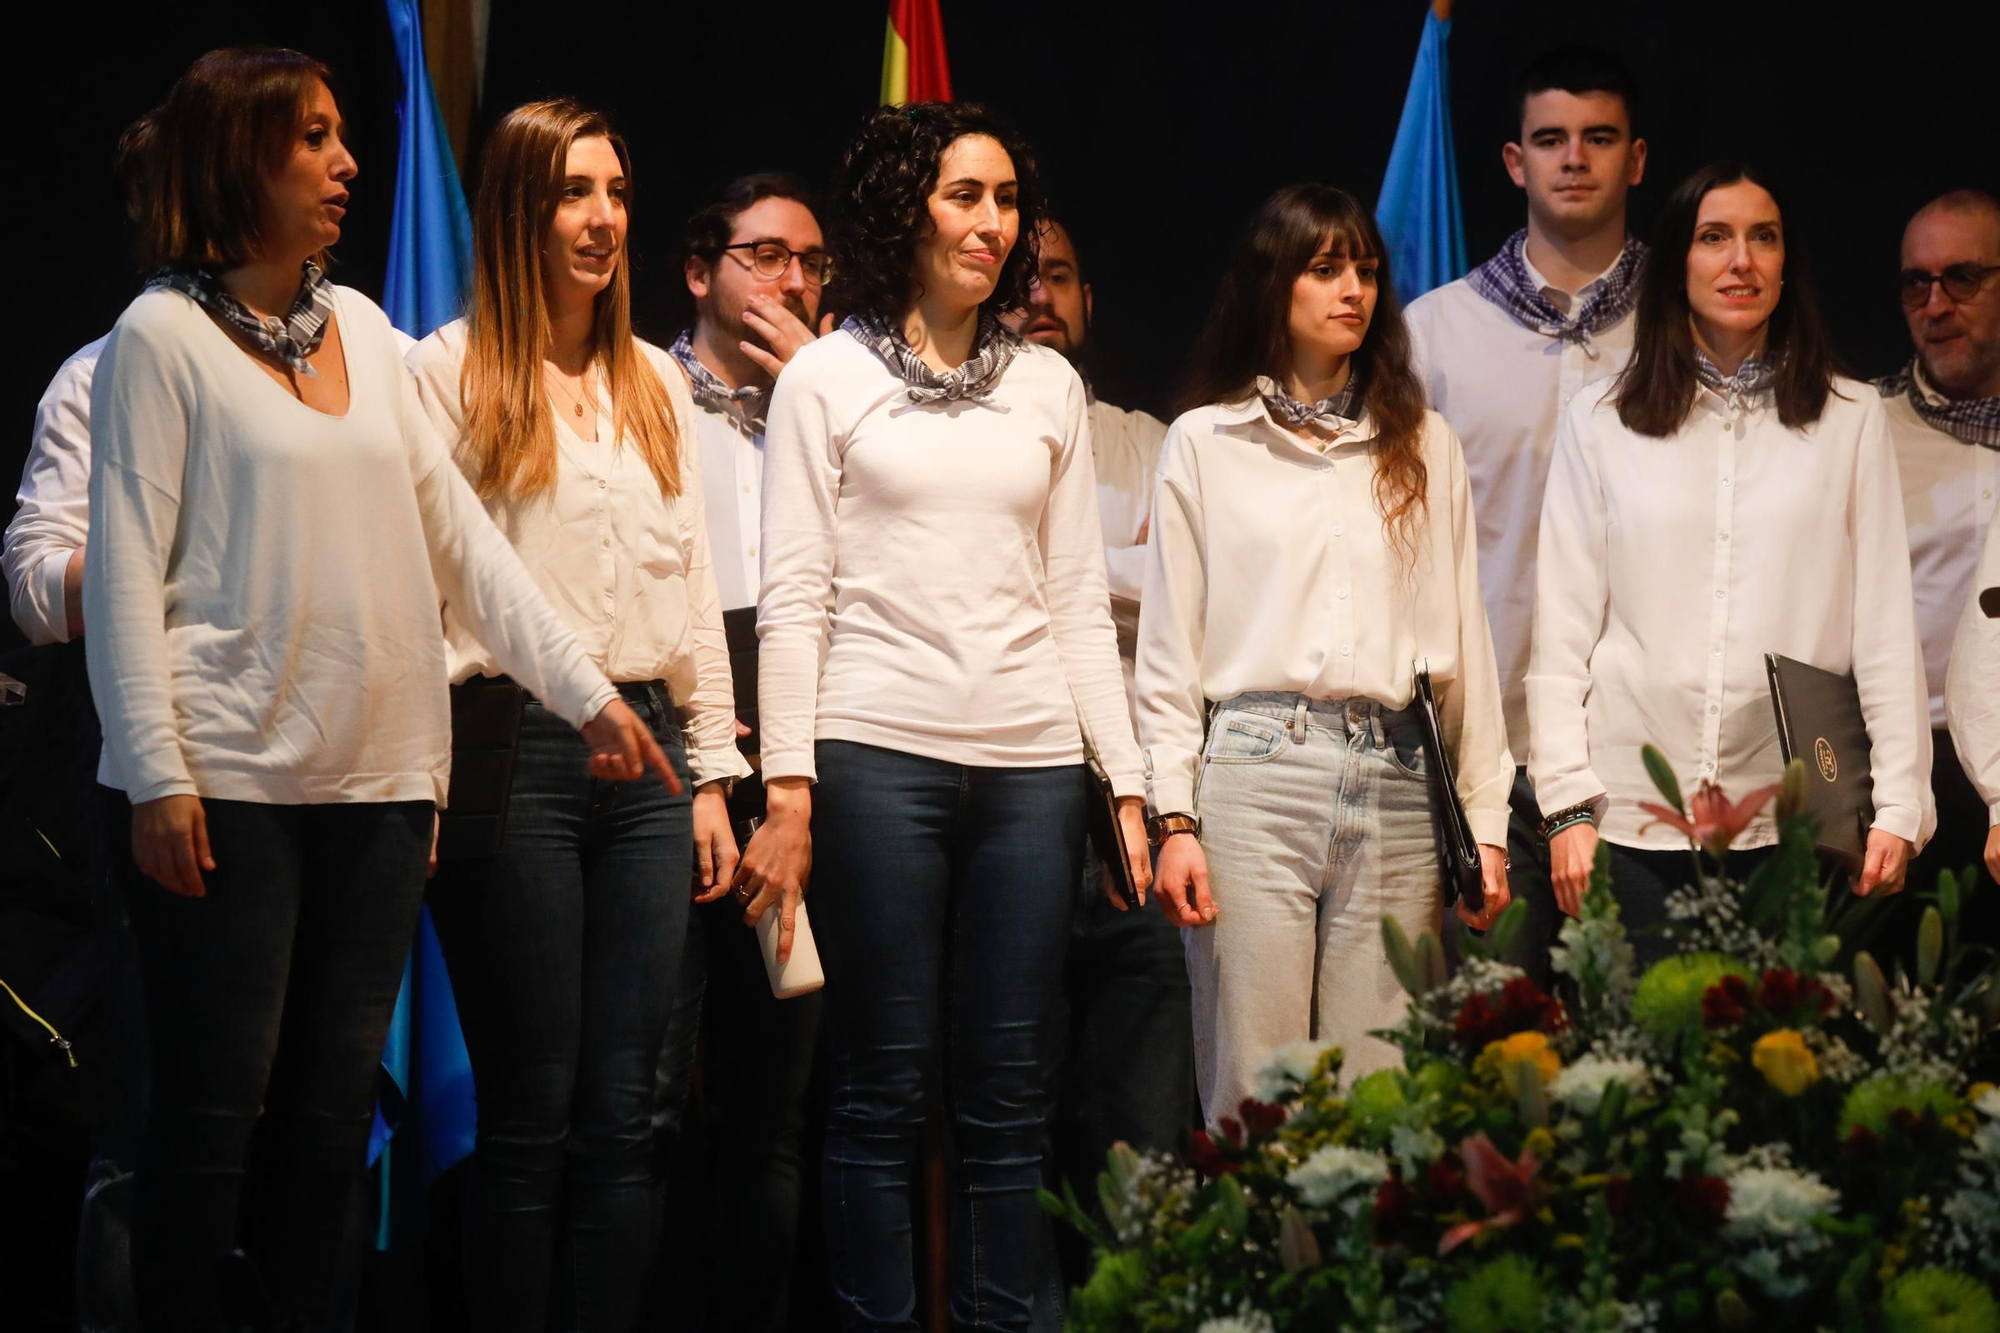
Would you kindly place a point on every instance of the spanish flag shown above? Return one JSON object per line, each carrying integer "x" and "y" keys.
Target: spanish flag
{"x": 913, "y": 68}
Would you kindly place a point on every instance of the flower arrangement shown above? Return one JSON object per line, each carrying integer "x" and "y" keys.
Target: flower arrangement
{"x": 1764, "y": 1131}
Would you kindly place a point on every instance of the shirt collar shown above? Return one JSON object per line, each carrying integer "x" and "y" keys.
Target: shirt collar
{"x": 1576, "y": 298}
{"x": 1253, "y": 409}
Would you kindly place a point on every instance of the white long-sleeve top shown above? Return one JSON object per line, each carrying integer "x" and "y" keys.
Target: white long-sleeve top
{"x": 1972, "y": 685}
{"x": 1669, "y": 567}
{"x": 1503, "y": 387}
{"x": 626, "y": 567}
{"x": 53, "y": 518}
{"x": 1125, "y": 451}
{"x": 262, "y": 579}
{"x": 949, "y": 554}
{"x": 1951, "y": 491}
{"x": 1269, "y": 567}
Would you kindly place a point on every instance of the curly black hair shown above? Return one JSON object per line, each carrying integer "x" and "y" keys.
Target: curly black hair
{"x": 880, "y": 210}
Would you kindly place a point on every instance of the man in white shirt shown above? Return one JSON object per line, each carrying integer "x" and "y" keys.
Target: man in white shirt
{"x": 1504, "y": 349}
{"x": 1943, "y": 410}
{"x": 755, "y": 264}
{"x": 43, "y": 549}
{"x": 1127, "y": 1048}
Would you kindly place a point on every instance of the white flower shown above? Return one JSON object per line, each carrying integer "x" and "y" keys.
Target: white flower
{"x": 1335, "y": 1172}
{"x": 1989, "y": 1102}
{"x": 1581, "y": 1084}
{"x": 1415, "y": 1146}
{"x": 1776, "y": 1201}
{"x": 1766, "y": 1267}
{"x": 1289, "y": 1065}
{"x": 1245, "y": 1320}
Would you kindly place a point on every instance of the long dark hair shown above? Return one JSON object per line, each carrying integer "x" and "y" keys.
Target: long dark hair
{"x": 1247, "y": 334}
{"x": 1656, "y": 390}
{"x": 881, "y": 209}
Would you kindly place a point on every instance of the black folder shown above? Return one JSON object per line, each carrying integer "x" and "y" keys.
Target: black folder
{"x": 1458, "y": 851}
{"x": 739, "y": 627}
{"x": 1820, "y": 721}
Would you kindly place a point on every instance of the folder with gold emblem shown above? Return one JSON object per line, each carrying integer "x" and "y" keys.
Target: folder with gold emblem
{"x": 1820, "y": 721}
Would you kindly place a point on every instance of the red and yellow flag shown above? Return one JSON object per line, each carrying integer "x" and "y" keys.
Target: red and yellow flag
{"x": 913, "y": 65}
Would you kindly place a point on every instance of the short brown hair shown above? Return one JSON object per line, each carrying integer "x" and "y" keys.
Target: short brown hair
{"x": 192, "y": 168}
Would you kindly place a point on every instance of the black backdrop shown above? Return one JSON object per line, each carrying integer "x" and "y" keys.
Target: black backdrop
{"x": 1158, "y": 127}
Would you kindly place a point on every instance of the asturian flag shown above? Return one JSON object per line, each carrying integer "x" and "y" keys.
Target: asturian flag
{"x": 1418, "y": 210}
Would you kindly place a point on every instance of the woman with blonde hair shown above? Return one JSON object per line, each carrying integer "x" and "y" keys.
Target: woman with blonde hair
{"x": 561, "y": 946}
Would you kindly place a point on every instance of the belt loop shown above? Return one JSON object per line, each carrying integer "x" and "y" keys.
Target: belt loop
{"x": 1377, "y": 726}
{"x": 1299, "y": 721}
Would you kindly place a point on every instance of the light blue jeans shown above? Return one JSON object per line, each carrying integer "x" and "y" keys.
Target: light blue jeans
{"x": 1317, "y": 822}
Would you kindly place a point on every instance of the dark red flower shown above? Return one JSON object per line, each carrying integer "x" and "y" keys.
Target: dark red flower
{"x": 1618, "y": 1195}
{"x": 1261, "y": 1119}
{"x": 1702, "y": 1199}
{"x": 1918, "y": 1127}
{"x": 1521, "y": 1006}
{"x": 1860, "y": 1143}
{"x": 1444, "y": 1179}
{"x": 1393, "y": 1202}
{"x": 1232, "y": 1129}
{"x": 1724, "y": 1004}
{"x": 1206, "y": 1158}
{"x": 1783, "y": 991}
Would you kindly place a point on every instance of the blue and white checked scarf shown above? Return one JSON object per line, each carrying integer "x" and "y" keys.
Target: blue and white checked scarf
{"x": 1967, "y": 420}
{"x": 1505, "y": 281}
{"x": 992, "y": 348}
{"x": 750, "y": 403}
{"x": 1751, "y": 378}
{"x": 1337, "y": 412}
{"x": 291, "y": 339}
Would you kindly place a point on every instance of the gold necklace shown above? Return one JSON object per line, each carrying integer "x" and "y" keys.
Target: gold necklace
{"x": 583, "y": 381}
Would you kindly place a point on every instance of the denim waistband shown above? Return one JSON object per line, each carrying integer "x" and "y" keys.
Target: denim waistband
{"x": 1351, "y": 717}
{"x": 649, "y": 694}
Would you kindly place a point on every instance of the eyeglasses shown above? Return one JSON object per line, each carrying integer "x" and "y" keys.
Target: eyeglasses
{"x": 770, "y": 259}
{"x": 1961, "y": 282}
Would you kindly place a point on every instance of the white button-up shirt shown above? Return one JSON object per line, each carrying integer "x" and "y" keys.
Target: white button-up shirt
{"x": 1503, "y": 387}
{"x": 627, "y": 567}
{"x": 732, "y": 480}
{"x": 1125, "y": 445}
{"x": 1671, "y": 566}
{"x": 1269, "y": 568}
{"x": 1949, "y": 490}
{"x": 1972, "y": 686}
{"x": 54, "y": 515}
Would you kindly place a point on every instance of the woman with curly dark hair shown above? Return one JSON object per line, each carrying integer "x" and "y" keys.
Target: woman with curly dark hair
{"x": 937, "y": 658}
{"x": 1312, "y": 545}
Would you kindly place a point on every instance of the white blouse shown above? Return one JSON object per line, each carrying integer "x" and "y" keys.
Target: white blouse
{"x": 627, "y": 567}
{"x": 1669, "y": 567}
{"x": 1972, "y": 686}
{"x": 1269, "y": 567}
{"x": 262, "y": 579}
{"x": 54, "y": 515}
{"x": 934, "y": 574}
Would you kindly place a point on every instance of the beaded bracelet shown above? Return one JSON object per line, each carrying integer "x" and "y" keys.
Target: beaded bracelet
{"x": 1568, "y": 816}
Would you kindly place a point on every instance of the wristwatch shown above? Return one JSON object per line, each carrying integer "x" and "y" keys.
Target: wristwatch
{"x": 1161, "y": 827}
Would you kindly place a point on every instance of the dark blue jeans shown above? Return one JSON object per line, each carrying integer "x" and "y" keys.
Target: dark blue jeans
{"x": 1641, "y": 879}
{"x": 268, "y": 1002}
{"x": 562, "y": 953}
{"x": 941, "y": 899}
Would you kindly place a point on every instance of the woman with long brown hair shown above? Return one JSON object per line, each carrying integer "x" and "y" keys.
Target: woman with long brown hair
{"x": 1312, "y": 544}
{"x": 561, "y": 948}
{"x": 1730, "y": 494}
{"x": 273, "y": 522}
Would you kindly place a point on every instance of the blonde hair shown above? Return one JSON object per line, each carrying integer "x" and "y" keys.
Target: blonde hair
{"x": 510, "y": 442}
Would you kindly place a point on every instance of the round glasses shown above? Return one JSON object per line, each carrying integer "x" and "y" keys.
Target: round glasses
{"x": 1961, "y": 282}
{"x": 770, "y": 259}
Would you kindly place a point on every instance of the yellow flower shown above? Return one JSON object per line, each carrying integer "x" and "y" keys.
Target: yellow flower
{"x": 1523, "y": 1047}
{"x": 1785, "y": 1062}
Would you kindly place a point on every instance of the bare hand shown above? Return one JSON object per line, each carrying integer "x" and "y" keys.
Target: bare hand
{"x": 714, "y": 844}
{"x": 73, "y": 592}
{"x": 1132, "y": 824}
{"x": 437, "y": 822}
{"x": 1572, "y": 856}
{"x": 1993, "y": 851}
{"x": 1182, "y": 887}
{"x": 777, "y": 864}
{"x": 782, "y": 331}
{"x": 170, "y": 844}
{"x": 1493, "y": 880}
{"x": 1883, "y": 867}
{"x": 621, "y": 748}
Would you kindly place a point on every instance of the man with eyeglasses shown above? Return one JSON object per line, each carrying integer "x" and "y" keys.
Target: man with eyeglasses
{"x": 756, "y": 265}
{"x": 1943, "y": 410}
{"x": 1124, "y": 1059}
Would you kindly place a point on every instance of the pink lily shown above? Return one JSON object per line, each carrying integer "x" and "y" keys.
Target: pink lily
{"x": 1713, "y": 821}
{"x": 1509, "y": 1190}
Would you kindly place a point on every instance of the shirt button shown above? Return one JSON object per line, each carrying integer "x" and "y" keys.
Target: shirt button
{"x": 1338, "y": 530}
{"x": 1725, "y": 481}
{"x": 1719, "y": 593}
{"x": 1722, "y": 536}
{"x": 1345, "y": 649}
{"x": 602, "y": 483}
{"x": 1713, "y": 710}
{"x": 1341, "y": 593}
